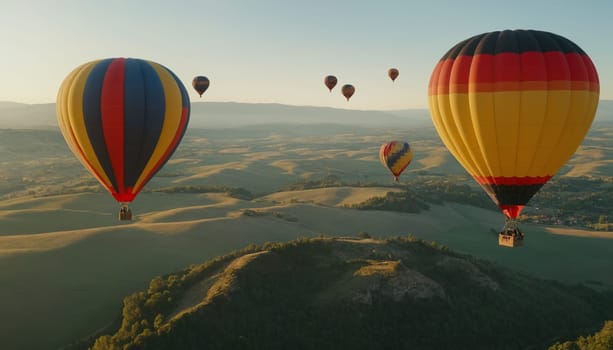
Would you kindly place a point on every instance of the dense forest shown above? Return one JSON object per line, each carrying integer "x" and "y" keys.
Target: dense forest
{"x": 327, "y": 293}
{"x": 602, "y": 340}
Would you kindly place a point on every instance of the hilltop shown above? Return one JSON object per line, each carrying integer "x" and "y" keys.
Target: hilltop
{"x": 344, "y": 293}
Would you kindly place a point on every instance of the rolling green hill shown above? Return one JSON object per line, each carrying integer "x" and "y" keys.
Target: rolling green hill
{"x": 325, "y": 293}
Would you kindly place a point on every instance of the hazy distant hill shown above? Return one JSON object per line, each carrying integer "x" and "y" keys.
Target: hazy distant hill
{"x": 233, "y": 114}
{"x": 24, "y": 116}
{"x": 354, "y": 294}
{"x": 224, "y": 114}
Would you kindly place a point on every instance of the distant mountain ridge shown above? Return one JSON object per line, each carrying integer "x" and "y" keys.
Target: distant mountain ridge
{"x": 233, "y": 114}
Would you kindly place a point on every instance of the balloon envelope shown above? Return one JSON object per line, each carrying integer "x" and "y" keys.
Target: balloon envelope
{"x": 122, "y": 118}
{"x": 512, "y": 107}
{"x": 330, "y": 82}
{"x": 200, "y": 84}
{"x": 393, "y": 73}
{"x": 348, "y": 90}
{"x": 396, "y": 156}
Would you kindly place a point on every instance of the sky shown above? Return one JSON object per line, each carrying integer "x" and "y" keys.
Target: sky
{"x": 279, "y": 51}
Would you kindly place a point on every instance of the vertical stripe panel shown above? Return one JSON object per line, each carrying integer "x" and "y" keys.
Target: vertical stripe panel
{"x": 111, "y": 108}
{"x": 64, "y": 115}
{"x": 482, "y": 108}
{"x": 460, "y": 111}
{"x": 92, "y": 121}
{"x": 168, "y": 152}
{"x": 170, "y": 127}
{"x": 134, "y": 123}
{"x": 156, "y": 111}
{"x": 75, "y": 114}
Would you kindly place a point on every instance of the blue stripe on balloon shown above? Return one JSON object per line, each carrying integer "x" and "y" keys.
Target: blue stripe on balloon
{"x": 185, "y": 103}
{"x": 393, "y": 158}
{"x": 155, "y": 109}
{"x": 134, "y": 119}
{"x": 93, "y": 117}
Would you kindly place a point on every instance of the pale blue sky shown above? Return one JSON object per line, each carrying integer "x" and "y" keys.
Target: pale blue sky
{"x": 278, "y": 51}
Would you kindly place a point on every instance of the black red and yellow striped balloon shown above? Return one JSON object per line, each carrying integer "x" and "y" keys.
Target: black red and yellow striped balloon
{"x": 122, "y": 118}
{"x": 512, "y": 107}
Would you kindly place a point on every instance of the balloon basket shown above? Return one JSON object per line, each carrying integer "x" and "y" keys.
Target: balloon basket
{"x": 125, "y": 213}
{"x": 510, "y": 236}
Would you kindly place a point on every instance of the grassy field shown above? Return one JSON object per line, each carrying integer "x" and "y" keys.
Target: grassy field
{"x": 66, "y": 262}
{"x": 66, "y": 284}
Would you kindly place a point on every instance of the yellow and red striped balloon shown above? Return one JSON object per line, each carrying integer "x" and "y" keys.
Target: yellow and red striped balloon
{"x": 396, "y": 156}
{"x": 512, "y": 107}
{"x": 123, "y": 118}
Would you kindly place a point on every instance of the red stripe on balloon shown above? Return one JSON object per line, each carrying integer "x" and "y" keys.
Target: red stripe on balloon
{"x": 111, "y": 108}
{"x": 511, "y": 211}
{"x": 501, "y": 180}
{"x": 513, "y": 72}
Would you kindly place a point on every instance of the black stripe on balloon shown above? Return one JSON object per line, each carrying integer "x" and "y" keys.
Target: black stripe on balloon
{"x": 512, "y": 41}
{"x": 185, "y": 103}
{"x": 92, "y": 116}
{"x": 396, "y": 156}
{"x": 511, "y": 194}
{"x": 137, "y": 117}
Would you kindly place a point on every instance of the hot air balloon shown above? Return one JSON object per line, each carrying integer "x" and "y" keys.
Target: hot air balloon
{"x": 123, "y": 118}
{"x": 330, "y": 82}
{"x": 200, "y": 84}
{"x": 393, "y": 73}
{"x": 348, "y": 91}
{"x": 396, "y": 156}
{"x": 512, "y": 107}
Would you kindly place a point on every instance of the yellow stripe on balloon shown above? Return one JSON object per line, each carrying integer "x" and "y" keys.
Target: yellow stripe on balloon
{"x": 460, "y": 108}
{"x": 583, "y": 106}
{"x": 402, "y": 162}
{"x": 172, "y": 120}
{"x": 513, "y": 133}
{"x": 76, "y": 122}
{"x": 61, "y": 107}
{"x": 440, "y": 105}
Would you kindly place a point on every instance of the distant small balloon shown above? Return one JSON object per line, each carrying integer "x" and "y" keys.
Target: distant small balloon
{"x": 200, "y": 84}
{"x": 348, "y": 90}
{"x": 396, "y": 156}
{"x": 393, "y": 73}
{"x": 330, "y": 82}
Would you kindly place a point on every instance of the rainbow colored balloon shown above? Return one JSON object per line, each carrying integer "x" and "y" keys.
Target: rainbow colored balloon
{"x": 122, "y": 118}
{"x": 396, "y": 156}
